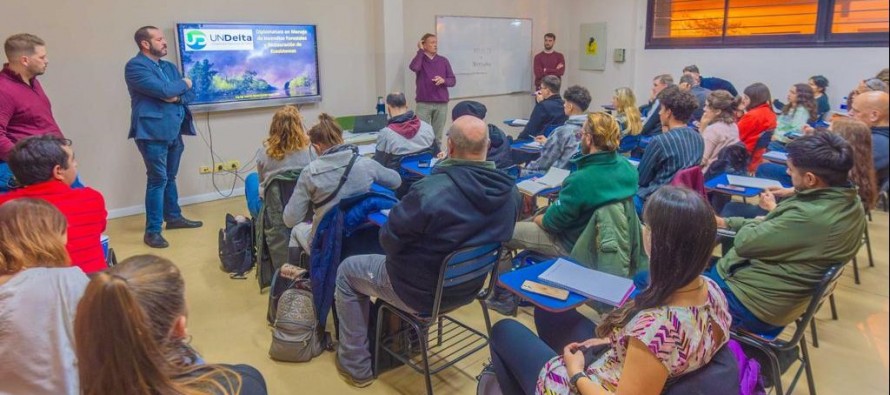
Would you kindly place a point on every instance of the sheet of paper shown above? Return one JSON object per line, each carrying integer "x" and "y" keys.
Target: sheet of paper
{"x": 776, "y": 155}
{"x": 366, "y": 149}
{"x": 519, "y": 122}
{"x": 554, "y": 177}
{"x": 434, "y": 161}
{"x": 533, "y": 144}
{"x": 752, "y": 182}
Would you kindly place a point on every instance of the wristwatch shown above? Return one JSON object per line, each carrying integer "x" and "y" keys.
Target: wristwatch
{"x": 576, "y": 377}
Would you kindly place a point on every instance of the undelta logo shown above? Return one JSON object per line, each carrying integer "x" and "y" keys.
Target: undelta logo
{"x": 218, "y": 39}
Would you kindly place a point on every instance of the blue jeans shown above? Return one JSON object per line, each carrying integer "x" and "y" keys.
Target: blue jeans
{"x": 558, "y": 330}
{"x": 5, "y": 177}
{"x": 517, "y": 356}
{"x": 774, "y": 171}
{"x": 161, "y": 159}
{"x": 252, "y": 194}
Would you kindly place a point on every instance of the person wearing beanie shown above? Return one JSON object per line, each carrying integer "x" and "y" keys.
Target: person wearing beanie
{"x": 499, "y": 150}
{"x": 563, "y": 143}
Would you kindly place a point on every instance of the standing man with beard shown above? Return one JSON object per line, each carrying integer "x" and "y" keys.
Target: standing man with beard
{"x": 548, "y": 61}
{"x": 159, "y": 117}
{"x": 24, "y": 108}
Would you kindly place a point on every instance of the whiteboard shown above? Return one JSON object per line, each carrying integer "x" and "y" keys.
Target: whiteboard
{"x": 489, "y": 56}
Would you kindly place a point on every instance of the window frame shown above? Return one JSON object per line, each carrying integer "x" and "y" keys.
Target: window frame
{"x": 823, "y": 38}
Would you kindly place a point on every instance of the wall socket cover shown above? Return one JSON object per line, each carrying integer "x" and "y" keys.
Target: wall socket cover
{"x": 618, "y": 55}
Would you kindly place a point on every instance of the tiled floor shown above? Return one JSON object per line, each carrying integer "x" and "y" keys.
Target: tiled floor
{"x": 227, "y": 319}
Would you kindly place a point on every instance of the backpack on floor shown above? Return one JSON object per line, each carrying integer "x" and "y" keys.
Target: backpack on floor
{"x": 295, "y": 333}
{"x": 236, "y": 246}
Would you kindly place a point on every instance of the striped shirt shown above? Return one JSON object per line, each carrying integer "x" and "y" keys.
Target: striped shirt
{"x": 667, "y": 154}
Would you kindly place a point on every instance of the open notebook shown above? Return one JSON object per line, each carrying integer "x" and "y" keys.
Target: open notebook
{"x": 752, "y": 182}
{"x": 553, "y": 178}
{"x": 596, "y": 285}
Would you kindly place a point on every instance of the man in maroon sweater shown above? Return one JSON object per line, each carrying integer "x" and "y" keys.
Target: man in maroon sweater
{"x": 434, "y": 77}
{"x": 24, "y": 108}
{"x": 548, "y": 61}
{"x": 45, "y": 167}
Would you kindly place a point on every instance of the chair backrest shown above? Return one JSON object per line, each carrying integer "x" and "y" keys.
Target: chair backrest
{"x": 466, "y": 265}
{"x": 692, "y": 178}
{"x": 732, "y": 159}
{"x": 512, "y": 171}
{"x": 764, "y": 139}
{"x": 821, "y": 293}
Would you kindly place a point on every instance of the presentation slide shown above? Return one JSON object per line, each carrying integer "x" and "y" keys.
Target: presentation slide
{"x": 249, "y": 65}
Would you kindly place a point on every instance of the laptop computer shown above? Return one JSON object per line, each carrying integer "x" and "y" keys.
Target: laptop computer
{"x": 369, "y": 123}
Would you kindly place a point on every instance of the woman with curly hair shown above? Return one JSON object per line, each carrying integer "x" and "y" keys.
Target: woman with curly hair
{"x": 800, "y": 110}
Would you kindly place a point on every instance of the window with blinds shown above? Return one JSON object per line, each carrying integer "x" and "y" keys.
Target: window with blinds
{"x": 767, "y": 23}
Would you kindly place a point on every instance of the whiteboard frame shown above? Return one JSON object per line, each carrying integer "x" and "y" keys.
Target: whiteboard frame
{"x": 531, "y": 54}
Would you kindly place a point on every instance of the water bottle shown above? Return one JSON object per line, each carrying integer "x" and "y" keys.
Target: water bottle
{"x": 844, "y": 104}
{"x": 381, "y": 108}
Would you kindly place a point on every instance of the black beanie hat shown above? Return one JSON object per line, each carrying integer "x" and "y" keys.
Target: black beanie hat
{"x": 468, "y": 107}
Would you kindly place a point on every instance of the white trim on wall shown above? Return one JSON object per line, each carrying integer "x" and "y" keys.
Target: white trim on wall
{"x": 194, "y": 199}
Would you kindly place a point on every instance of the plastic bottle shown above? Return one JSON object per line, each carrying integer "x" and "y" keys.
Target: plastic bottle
{"x": 844, "y": 104}
{"x": 381, "y": 108}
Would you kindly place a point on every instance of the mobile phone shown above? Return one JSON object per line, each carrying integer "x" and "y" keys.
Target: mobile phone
{"x": 734, "y": 188}
{"x": 545, "y": 290}
{"x": 423, "y": 164}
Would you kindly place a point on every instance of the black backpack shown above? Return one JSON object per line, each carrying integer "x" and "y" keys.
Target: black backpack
{"x": 236, "y": 246}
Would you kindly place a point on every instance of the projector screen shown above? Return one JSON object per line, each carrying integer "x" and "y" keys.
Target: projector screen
{"x": 249, "y": 65}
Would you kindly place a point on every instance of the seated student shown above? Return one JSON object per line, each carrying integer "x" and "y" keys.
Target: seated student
{"x": 464, "y": 202}
{"x": 873, "y": 108}
{"x": 710, "y": 83}
{"x": 862, "y": 175}
{"x": 672, "y": 328}
{"x": 404, "y": 133}
{"x": 338, "y": 172}
{"x": 286, "y": 149}
{"x": 563, "y": 141}
{"x": 46, "y": 167}
{"x": 777, "y": 262}
{"x": 818, "y": 83}
{"x": 39, "y": 293}
{"x": 719, "y": 129}
{"x": 867, "y": 85}
{"x": 135, "y": 315}
{"x": 602, "y": 177}
{"x": 652, "y": 123}
{"x": 499, "y": 149}
{"x": 628, "y": 116}
{"x": 678, "y": 148}
{"x": 758, "y": 119}
{"x": 689, "y": 84}
{"x": 800, "y": 110}
{"x": 548, "y": 112}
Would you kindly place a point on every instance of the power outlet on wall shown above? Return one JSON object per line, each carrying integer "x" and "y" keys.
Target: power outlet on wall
{"x": 220, "y": 167}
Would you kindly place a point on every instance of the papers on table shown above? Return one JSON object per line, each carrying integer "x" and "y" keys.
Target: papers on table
{"x": 553, "y": 178}
{"x": 533, "y": 145}
{"x": 752, "y": 182}
{"x": 596, "y": 285}
{"x": 518, "y": 122}
{"x": 433, "y": 161}
{"x": 366, "y": 149}
{"x": 385, "y": 212}
{"x": 634, "y": 162}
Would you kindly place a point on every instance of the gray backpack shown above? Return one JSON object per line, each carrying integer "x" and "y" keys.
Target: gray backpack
{"x": 295, "y": 334}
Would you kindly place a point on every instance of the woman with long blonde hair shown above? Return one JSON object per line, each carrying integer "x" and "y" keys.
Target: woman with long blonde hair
{"x": 132, "y": 339}
{"x": 862, "y": 175}
{"x": 626, "y": 112}
{"x": 38, "y": 293}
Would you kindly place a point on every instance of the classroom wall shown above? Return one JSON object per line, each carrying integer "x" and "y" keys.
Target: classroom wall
{"x": 364, "y": 49}
{"x": 778, "y": 68}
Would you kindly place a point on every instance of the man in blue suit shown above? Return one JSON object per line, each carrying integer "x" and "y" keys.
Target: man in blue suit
{"x": 159, "y": 118}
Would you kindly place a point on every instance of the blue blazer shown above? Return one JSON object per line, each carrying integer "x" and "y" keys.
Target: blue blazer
{"x": 149, "y": 83}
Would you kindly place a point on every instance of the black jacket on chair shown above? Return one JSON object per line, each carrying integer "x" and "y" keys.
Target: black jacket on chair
{"x": 461, "y": 204}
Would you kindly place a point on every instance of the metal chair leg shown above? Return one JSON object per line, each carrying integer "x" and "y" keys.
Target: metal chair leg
{"x": 871, "y": 259}
{"x": 833, "y": 307}
{"x": 811, "y": 383}
{"x": 813, "y": 333}
{"x": 424, "y": 349}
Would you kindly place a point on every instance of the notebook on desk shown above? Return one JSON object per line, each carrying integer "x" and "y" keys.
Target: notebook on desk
{"x": 752, "y": 182}
{"x": 554, "y": 178}
{"x": 596, "y": 285}
{"x": 369, "y": 123}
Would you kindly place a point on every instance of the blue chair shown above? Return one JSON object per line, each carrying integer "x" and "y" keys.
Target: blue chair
{"x": 513, "y": 171}
{"x": 436, "y": 334}
{"x": 409, "y": 178}
{"x": 771, "y": 346}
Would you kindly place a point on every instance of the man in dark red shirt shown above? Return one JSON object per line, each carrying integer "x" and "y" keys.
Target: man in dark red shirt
{"x": 45, "y": 167}
{"x": 24, "y": 108}
{"x": 548, "y": 61}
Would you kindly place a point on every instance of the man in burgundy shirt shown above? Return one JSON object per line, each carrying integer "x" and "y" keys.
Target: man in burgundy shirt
{"x": 24, "y": 108}
{"x": 45, "y": 167}
{"x": 434, "y": 77}
{"x": 548, "y": 61}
